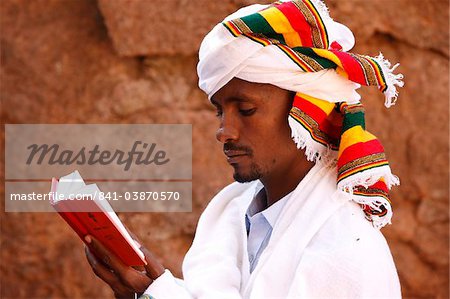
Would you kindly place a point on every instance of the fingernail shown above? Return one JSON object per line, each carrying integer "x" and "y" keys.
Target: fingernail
{"x": 88, "y": 239}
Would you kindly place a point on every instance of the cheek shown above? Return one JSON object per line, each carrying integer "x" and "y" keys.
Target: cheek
{"x": 281, "y": 132}
{"x": 275, "y": 142}
{"x": 268, "y": 137}
{"x": 281, "y": 141}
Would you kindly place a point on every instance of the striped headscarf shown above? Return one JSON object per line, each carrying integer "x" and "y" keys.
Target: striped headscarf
{"x": 295, "y": 45}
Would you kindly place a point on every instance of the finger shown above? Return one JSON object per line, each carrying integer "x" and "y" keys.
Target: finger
{"x": 100, "y": 270}
{"x": 105, "y": 274}
{"x": 107, "y": 257}
{"x": 120, "y": 285}
{"x": 136, "y": 280}
{"x": 154, "y": 268}
{"x": 158, "y": 269}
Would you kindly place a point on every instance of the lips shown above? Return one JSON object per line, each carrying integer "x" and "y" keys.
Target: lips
{"x": 234, "y": 156}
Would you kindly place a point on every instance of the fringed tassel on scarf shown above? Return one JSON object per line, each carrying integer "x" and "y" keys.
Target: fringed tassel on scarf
{"x": 363, "y": 170}
{"x": 314, "y": 151}
{"x": 392, "y": 80}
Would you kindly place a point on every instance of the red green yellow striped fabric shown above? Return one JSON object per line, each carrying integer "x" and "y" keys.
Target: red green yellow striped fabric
{"x": 341, "y": 127}
{"x": 359, "y": 150}
{"x": 317, "y": 118}
{"x": 297, "y": 28}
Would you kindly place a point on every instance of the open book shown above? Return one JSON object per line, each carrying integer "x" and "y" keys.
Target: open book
{"x": 82, "y": 208}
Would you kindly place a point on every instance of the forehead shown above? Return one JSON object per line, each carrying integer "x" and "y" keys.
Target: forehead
{"x": 238, "y": 90}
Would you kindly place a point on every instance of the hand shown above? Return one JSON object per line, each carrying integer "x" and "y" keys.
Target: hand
{"x": 125, "y": 281}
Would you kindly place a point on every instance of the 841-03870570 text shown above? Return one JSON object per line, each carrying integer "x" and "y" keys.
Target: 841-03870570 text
{"x": 141, "y": 195}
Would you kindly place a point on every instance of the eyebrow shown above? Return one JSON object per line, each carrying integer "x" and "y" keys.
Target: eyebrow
{"x": 230, "y": 99}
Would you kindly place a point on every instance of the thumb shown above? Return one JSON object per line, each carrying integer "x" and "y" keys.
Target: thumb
{"x": 154, "y": 268}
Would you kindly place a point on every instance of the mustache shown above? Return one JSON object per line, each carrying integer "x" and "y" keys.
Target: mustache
{"x": 237, "y": 147}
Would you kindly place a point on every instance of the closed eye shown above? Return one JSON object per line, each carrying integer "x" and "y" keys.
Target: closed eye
{"x": 247, "y": 112}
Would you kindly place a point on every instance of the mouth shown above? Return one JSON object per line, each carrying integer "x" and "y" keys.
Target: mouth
{"x": 235, "y": 156}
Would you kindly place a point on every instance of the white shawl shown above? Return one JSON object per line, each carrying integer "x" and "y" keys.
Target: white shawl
{"x": 321, "y": 247}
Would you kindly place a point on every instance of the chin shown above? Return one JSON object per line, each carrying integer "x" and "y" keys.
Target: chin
{"x": 243, "y": 179}
{"x": 253, "y": 174}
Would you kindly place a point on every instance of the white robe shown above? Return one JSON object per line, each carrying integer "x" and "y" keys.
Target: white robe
{"x": 321, "y": 247}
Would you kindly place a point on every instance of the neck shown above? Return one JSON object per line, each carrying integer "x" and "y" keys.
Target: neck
{"x": 278, "y": 185}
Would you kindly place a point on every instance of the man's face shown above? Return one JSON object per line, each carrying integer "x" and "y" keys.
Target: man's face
{"x": 254, "y": 129}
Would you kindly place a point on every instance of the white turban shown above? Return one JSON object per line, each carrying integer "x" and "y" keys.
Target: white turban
{"x": 223, "y": 57}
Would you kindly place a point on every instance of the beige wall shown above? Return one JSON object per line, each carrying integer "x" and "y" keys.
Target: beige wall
{"x": 114, "y": 61}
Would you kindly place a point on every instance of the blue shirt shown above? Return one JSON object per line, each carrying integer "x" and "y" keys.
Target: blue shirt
{"x": 260, "y": 221}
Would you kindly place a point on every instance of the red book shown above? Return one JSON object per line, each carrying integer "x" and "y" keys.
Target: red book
{"x": 82, "y": 208}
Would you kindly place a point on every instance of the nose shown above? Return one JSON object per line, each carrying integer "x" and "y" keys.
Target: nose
{"x": 227, "y": 131}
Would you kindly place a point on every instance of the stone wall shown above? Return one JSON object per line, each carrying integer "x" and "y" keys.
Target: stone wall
{"x": 117, "y": 61}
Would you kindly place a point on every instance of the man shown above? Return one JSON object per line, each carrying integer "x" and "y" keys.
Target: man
{"x": 301, "y": 221}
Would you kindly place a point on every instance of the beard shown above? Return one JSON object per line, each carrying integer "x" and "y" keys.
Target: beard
{"x": 242, "y": 176}
{"x": 253, "y": 174}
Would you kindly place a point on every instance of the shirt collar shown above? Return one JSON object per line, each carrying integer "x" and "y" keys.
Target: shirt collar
{"x": 271, "y": 213}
